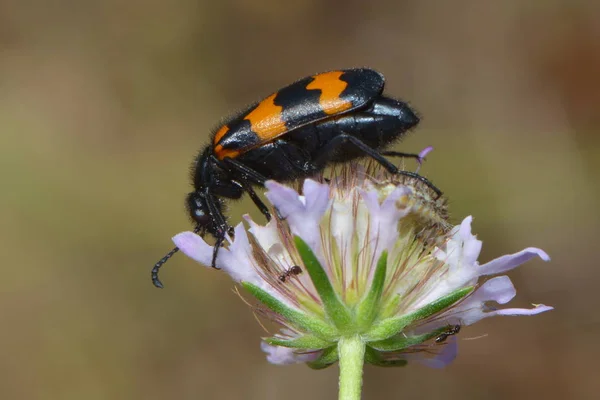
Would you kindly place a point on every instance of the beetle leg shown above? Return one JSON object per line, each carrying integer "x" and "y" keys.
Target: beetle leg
{"x": 392, "y": 153}
{"x": 218, "y": 244}
{"x": 229, "y": 163}
{"x": 325, "y": 153}
{"x": 426, "y": 181}
{"x": 418, "y": 157}
{"x": 255, "y": 198}
{"x": 400, "y": 154}
{"x": 219, "y": 219}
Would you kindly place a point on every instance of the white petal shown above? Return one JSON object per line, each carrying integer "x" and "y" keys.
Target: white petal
{"x": 508, "y": 262}
{"x": 284, "y": 356}
{"x": 267, "y": 235}
{"x": 345, "y": 229}
{"x": 268, "y": 238}
{"x": 471, "y": 246}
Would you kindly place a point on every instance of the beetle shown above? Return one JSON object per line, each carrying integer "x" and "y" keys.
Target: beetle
{"x": 331, "y": 117}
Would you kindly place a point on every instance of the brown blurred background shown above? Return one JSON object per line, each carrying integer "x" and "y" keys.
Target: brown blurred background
{"x": 104, "y": 104}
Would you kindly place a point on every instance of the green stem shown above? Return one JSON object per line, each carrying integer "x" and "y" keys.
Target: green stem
{"x": 351, "y": 351}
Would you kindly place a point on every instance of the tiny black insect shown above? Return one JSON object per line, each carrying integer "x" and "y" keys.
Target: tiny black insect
{"x": 452, "y": 330}
{"x": 295, "y": 270}
{"x": 296, "y": 132}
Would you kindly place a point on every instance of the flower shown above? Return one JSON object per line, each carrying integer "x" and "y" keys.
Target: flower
{"x": 369, "y": 256}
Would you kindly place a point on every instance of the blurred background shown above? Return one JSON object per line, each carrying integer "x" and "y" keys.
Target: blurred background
{"x": 103, "y": 106}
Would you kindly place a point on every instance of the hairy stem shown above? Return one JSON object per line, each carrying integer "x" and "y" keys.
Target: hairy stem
{"x": 351, "y": 352}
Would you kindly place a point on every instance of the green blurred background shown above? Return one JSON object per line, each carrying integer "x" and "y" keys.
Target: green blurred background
{"x": 104, "y": 104}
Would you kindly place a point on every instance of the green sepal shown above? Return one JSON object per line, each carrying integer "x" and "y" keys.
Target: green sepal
{"x": 392, "y": 326}
{"x": 335, "y": 309}
{"x": 390, "y": 306}
{"x": 373, "y": 357}
{"x": 368, "y": 308}
{"x": 327, "y": 359}
{"x": 400, "y": 342}
{"x": 299, "y": 320}
{"x": 302, "y": 342}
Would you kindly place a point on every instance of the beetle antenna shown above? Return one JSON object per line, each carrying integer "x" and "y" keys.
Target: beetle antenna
{"x": 155, "y": 281}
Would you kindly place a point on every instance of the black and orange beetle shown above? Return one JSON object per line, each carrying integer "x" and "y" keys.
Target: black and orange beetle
{"x": 297, "y": 131}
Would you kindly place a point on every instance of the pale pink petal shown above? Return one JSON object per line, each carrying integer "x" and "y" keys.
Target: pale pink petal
{"x": 317, "y": 197}
{"x": 303, "y": 214}
{"x": 473, "y": 316}
{"x": 499, "y": 289}
{"x": 540, "y": 308}
{"x": 235, "y": 260}
{"x": 384, "y": 217}
{"x": 371, "y": 199}
{"x": 285, "y": 199}
{"x": 446, "y": 355}
{"x": 194, "y": 247}
{"x": 284, "y": 356}
{"x": 423, "y": 153}
{"x": 508, "y": 262}
{"x": 461, "y": 253}
{"x": 460, "y": 257}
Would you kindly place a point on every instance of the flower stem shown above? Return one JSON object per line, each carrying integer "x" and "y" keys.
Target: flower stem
{"x": 351, "y": 351}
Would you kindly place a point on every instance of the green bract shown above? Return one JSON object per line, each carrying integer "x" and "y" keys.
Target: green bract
{"x": 317, "y": 333}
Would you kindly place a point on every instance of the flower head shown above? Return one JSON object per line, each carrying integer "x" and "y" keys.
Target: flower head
{"x": 365, "y": 255}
